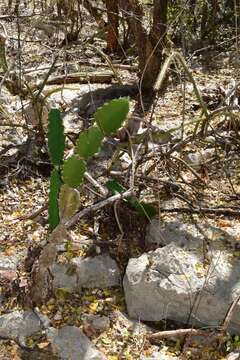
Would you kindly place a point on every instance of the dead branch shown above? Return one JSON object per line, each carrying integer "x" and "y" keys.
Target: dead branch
{"x": 194, "y": 210}
{"x": 96, "y": 207}
{"x": 83, "y": 63}
{"x": 177, "y": 333}
{"x": 82, "y": 78}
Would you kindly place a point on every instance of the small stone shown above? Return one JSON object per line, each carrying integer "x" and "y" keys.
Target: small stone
{"x": 97, "y": 322}
{"x": 235, "y": 355}
{"x": 69, "y": 342}
{"x": 57, "y": 317}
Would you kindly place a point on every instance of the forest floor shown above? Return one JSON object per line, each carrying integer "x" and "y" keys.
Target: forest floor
{"x": 213, "y": 183}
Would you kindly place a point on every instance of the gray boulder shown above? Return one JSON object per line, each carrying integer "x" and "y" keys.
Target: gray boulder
{"x": 18, "y": 325}
{"x": 69, "y": 343}
{"x": 176, "y": 284}
{"x": 182, "y": 234}
{"x": 191, "y": 236}
{"x": 101, "y": 271}
{"x": 64, "y": 277}
{"x": 97, "y": 272}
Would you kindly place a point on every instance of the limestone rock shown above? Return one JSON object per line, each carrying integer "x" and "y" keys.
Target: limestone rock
{"x": 97, "y": 272}
{"x": 69, "y": 342}
{"x": 175, "y": 284}
{"x": 18, "y": 325}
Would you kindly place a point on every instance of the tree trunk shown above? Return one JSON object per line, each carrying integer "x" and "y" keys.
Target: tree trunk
{"x": 94, "y": 13}
{"x": 112, "y": 25}
{"x": 155, "y": 43}
{"x": 150, "y": 45}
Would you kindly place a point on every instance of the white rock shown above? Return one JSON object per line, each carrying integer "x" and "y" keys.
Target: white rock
{"x": 97, "y": 272}
{"x": 172, "y": 283}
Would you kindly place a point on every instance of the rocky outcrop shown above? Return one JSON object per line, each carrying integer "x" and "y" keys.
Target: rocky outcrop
{"x": 173, "y": 283}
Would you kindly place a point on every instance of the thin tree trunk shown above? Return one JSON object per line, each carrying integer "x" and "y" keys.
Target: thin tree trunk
{"x": 150, "y": 45}
{"x": 112, "y": 25}
{"x": 155, "y": 43}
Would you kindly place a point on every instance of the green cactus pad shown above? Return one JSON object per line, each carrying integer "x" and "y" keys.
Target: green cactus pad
{"x": 89, "y": 142}
{"x": 53, "y": 212}
{"x": 111, "y": 116}
{"x": 73, "y": 171}
{"x": 56, "y": 138}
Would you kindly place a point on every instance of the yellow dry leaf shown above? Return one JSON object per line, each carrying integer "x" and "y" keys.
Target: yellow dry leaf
{"x": 148, "y": 352}
{"x": 43, "y": 345}
{"x": 51, "y": 301}
{"x": 30, "y": 342}
{"x": 106, "y": 341}
{"x": 43, "y": 308}
{"x": 10, "y": 250}
{"x": 224, "y": 223}
{"x": 16, "y": 214}
{"x": 93, "y": 307}
{"x": 128, "y": 357}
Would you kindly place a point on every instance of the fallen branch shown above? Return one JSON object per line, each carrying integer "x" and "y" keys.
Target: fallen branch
{"x": 229, "y": 315}
{"x": 189, "y": 168}
{"x": 217, "y": 333}
{"x": 96, "y": 207}
{"x": 103, "y": 191}
{"x": 180, "y": 332}
{"x": 32, "y": 215}
{"x": 82, "y": 78}
{"x": 193, "y": 210}
{"x": 83, "y": 63}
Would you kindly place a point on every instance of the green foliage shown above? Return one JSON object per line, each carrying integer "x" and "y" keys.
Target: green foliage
{"x": 89, "y": 142}
{"x": 114, "y": 187}
{"x": 53, "y": 212}
{"x": 56, "y": 138}
{"x": 73, "y": 171}
{"x": 111, "y": 116}
{"x": 144, "y": 209}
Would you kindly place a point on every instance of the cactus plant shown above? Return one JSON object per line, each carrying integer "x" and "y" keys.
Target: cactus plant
{"x": 56, "y": 138}
{"x": 89, "y": 142}
{"x": 53, "y": 212}
{"x": 111, "y": 116}
{"x": 68, "y": 175}
{"x": 73, "y": 171}
{"x": 69, "y": 200}
{"x": 56, "y": 144}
